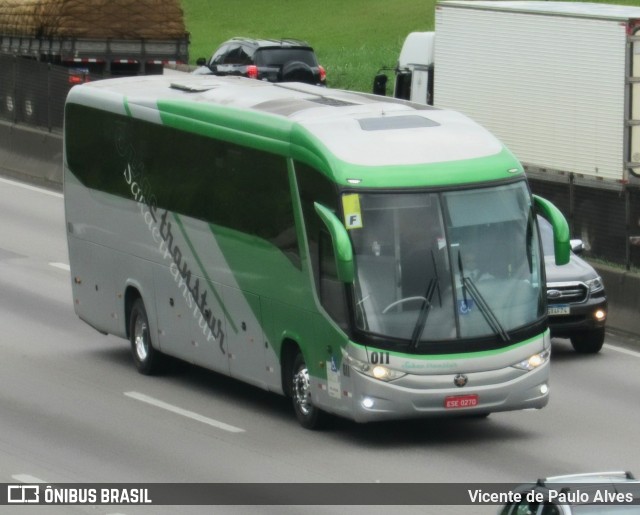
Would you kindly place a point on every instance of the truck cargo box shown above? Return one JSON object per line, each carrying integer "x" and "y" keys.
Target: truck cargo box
{"x": 558, "y": 82}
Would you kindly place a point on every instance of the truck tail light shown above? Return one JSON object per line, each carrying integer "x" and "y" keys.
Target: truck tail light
{"x": 78, "y": 78}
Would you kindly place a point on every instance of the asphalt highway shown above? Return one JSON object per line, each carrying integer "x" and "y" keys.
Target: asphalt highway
{"x": 73, "y": 409}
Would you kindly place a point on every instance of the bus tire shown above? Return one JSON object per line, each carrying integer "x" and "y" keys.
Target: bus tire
{"x": 148, "y": 360}
{"x": 588, "y": 342}
{"x": 307, "y": 414}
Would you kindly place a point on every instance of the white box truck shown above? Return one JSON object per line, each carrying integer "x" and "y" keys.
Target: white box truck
{"x": 559, "y": 83}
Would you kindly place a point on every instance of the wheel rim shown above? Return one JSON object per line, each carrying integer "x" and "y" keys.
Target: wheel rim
{"x": 140, "y": 339}
{"x": 301, "y": 390}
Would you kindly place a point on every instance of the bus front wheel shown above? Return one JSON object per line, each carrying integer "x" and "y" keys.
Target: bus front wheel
{"x": 307, "y": 414}
{"x": 148, "y": 360}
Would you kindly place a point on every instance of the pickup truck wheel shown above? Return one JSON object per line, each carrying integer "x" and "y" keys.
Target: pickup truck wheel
{"x": 588, "y": 342}
{"x": 148, "y": 360}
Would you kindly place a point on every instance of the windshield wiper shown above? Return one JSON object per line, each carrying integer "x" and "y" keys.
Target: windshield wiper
{"x": 421, "y": 323}
{"x": 485, "y": 309}
{"x": 424, "y": 313}
{"x": 464, "y": 286}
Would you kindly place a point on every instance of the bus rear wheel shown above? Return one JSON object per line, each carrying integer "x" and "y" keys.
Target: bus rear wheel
{"x": 148, "y": 360}
{"x": 307, "y": 414}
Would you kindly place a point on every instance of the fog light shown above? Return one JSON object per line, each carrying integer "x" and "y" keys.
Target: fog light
{"x": 367, "y": 402}
{"x": 600, "y": 315}
{"x": 544, "y": 389}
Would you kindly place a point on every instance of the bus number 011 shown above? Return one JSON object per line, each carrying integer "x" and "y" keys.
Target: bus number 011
{"x": 381, "y": 358}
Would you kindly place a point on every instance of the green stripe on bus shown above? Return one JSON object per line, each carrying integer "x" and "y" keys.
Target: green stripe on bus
{"x": 204, "y": 273}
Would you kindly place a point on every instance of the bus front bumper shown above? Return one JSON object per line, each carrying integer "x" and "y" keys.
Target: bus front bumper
{"x": 438, "y": 396}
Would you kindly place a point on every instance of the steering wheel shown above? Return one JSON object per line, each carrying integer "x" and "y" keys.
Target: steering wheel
{"x": 402, "y": 301}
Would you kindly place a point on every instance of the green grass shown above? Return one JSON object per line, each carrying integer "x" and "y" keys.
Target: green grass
{"x": 352, "y": 38}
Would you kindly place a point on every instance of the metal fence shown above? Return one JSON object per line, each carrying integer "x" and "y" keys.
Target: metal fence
{"x": 607, "y": 220}
{"x": 33, "y": 92}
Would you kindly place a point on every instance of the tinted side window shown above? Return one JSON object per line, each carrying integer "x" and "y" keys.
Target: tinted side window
{"x": 314, "y": 187}
{"x": 281, "y": 56}
{"x": 236, "y": 55}
{"x": 222, "y": 183}
{"x": 218, "y": 57}
{"x": 95, "y": 149}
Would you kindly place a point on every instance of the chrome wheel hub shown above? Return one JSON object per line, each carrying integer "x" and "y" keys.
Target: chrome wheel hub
{"x": 301, "y": 390}
{"x": 140, "y": 339}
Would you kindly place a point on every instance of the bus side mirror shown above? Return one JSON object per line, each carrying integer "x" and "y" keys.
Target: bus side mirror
{"x": 552, "y": 214}
{"x": 341, "y": 243}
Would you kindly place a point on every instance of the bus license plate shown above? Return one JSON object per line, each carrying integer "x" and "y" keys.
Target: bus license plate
{"x": 461, "y": 401}
{"x": 559, "y": 310}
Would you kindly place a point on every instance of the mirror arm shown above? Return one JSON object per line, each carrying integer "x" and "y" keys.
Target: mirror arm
{"x": 341, "y": 243}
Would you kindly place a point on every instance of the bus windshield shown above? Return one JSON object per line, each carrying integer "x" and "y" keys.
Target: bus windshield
{"x": 446, "y": 266}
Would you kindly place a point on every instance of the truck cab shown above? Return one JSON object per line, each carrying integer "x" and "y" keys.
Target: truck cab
{"x": 414, "y": 70}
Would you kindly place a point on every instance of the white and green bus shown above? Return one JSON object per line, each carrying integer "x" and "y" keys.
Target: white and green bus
{"x": 367, "y": 257}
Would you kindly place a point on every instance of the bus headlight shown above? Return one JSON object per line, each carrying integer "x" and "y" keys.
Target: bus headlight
{"x": 534, "y": 361}
{"x": 380, "y": 372}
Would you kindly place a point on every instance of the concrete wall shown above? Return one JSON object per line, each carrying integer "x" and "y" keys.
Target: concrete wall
{"x": 31, "y": 154}
{"x": 623, "y": 292}
{"x": 36, "y": 156}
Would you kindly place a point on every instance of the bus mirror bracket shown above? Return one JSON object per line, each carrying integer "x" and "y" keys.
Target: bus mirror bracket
{"x": 341, "y": 243}
{"x": 561, "y": 241}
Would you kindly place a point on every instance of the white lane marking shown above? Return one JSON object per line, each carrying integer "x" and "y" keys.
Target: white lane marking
{"x": 185, "y": 413}
{"x": 32, "y": 188}
{"x": 622, "y": 350}
{"x": 61, "y": 266}
{"x": 26, "y": 478}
